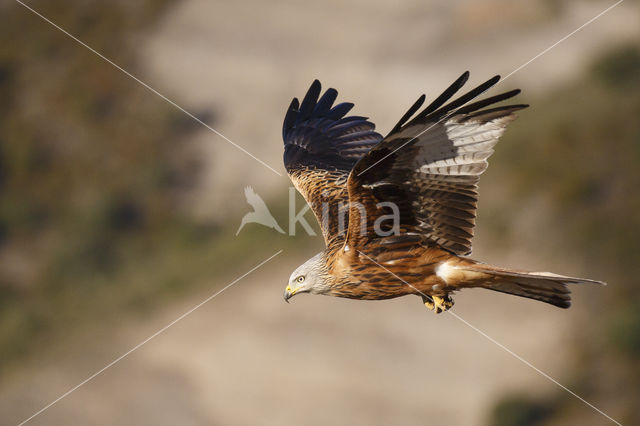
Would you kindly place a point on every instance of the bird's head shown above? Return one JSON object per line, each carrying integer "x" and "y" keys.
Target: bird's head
{"x": 310, "y": 277}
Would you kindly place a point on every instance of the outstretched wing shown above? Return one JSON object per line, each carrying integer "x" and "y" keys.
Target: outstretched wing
{"x": 429, "y": 167}
{"x": 321, "y": 146}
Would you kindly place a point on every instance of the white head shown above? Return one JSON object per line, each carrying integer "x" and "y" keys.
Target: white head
{"x": 310, "y": 277}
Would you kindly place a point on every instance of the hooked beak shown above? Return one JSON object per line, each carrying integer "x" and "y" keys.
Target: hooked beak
{"x": 288, "y": 293}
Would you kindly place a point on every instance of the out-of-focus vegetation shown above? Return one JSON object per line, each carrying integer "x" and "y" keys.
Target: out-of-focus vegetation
{"x": 92, "y": 170}
{"x": 521, "y": 410}
{"x": 582, "y": 151}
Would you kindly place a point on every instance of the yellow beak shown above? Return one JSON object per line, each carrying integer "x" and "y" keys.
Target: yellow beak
{"x": 288, "y": 293}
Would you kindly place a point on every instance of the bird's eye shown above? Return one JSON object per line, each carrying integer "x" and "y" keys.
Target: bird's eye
{"x": 300, "y": 278}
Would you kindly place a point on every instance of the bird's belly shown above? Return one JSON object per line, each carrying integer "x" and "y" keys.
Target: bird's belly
{"x": 389, "y": 274}
{"x": 366, "y": 291}
{"x": 381, "y": 288}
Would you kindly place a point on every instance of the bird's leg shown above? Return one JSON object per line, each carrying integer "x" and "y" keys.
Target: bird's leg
{"x": 438, "y": 304}
{"x": 442, "y": 303}
{"x": 428, "y": 302}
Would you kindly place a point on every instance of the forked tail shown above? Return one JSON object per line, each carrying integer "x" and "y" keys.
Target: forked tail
{"x": 543, "y": 286}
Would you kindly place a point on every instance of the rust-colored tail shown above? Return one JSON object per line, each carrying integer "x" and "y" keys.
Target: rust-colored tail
{"x": 543, "y": 286}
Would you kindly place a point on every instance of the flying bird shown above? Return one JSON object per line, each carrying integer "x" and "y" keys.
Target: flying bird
{"x": 424, "y": 174}
{"x": 260, "y": 213}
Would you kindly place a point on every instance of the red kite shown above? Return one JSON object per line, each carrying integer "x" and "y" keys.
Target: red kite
{"x": 409, "y": 199}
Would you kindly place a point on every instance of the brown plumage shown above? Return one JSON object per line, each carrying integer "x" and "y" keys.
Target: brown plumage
{"x": 409, "y": 199}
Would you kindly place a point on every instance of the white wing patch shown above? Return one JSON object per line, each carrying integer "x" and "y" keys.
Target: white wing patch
{"x": 456, "y": 148}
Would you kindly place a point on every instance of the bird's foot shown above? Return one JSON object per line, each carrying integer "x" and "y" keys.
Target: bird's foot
{"x": 428, "y": 302}
{"x": 442, "y": 303}
{"x": 438, "y": 304}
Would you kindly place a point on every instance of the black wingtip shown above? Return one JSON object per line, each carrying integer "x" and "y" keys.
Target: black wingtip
{"x": 310, "y": 100}
{"x": 446, "y": 95}
{"x": 460, "y": 81}
{"x": 316, "y": 87}
{"x": 290, "y": 117}
{"x": 488, "y": 84}
{"x": 478, "y": 105}
{"x": 325, "y": 102}
{"x": 473, "y": 93}
{"x": 339, "y": 111}
{"x": 407, "y": 115}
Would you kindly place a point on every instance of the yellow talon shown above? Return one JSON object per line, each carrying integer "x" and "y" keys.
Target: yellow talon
{"x": 428, "y": 302}
{"x": 442, "y": 303}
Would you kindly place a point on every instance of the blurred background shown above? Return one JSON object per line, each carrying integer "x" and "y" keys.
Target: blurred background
{"x": 118, "y": 213}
